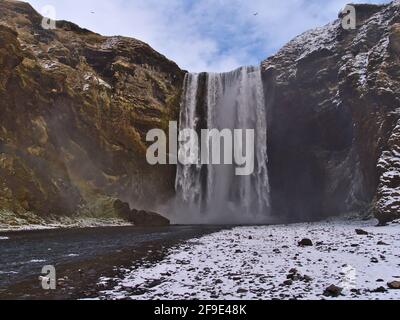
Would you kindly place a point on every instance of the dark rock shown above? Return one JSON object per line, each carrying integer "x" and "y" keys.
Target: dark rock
{"x": 154, "y": 283}
{"x": 374, "y": 260}
{"x": 356, "y": 291}
{"x": 333, "y": 291}
{"x": 361, "y": 232}
{"x": 148, "y": 219}
{"x": 395, "y": 285}
{"x": 305, "y": 243}
{"x": 381, "y": 243}
{"x": 293, "y": 277}
{"x": 140, "y": 218}
{"x": 240, "y": 291}
{"x": 122, "y": 209}
{"x": 380, "y": 290}
{"x": 293, "y": 271}
{"x": 288, "y": 282}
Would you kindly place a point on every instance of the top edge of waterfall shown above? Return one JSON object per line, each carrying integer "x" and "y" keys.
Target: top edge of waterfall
{"x": 248, "y": 67}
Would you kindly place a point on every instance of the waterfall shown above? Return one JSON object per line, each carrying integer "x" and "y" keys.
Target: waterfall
{"x": 213, "y": 193}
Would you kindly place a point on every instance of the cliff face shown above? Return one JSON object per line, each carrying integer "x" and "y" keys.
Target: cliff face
{"x": 333, "y": 100}
{"x": 74, "y": 111}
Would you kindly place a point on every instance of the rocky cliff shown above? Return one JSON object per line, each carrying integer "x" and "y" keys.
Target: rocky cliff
{"x": 74, "y": 110}
{"x": 333, "y": 100}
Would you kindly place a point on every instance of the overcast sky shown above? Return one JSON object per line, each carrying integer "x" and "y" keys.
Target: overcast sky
{"x": 202, "y": 35}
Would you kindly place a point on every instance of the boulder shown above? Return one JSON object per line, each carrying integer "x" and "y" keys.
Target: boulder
{"x": 361, "y": 232}
{"x": 140, "y": 218}
{"x": 394, "y": 285}
{"x": 148, "y": 219}
{"x": 333, "y": 291}
{"x": 122, "y": 209}
{"x": 382, "y": 243}
{"x": 379, "y": 290}
{"x": 305, "y": 243}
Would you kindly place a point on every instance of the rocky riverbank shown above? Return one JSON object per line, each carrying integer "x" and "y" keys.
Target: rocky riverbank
{"x": 327, "y": 260}
{"x": 75, "y": 107}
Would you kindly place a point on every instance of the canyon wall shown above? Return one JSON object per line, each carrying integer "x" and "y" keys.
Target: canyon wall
{"x": 333, "y": 104}
{"x": 74, "y": 111}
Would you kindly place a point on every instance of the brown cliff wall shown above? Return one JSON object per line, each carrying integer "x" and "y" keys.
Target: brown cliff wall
{"x": 74, "y": 111}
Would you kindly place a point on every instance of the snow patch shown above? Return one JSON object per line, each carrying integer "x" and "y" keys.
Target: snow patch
{"x": 37, "y": 261}
{"x": 92, "y": 78}
{"x": 255, "y": 263}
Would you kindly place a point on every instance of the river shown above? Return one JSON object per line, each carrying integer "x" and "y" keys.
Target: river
{"x": 81, "y": 257}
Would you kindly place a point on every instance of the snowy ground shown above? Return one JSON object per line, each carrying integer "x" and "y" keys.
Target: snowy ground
{"x": 255, "y": 262}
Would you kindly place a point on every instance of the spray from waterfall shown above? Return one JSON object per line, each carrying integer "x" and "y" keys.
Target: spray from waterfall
{"x": 209, "y": 193}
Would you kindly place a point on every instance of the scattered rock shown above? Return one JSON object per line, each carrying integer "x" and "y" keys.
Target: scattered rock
{"x": 182, "y": 262}
{"x": 305, "y": 243}
{"x": 394, "y": 285}
{"x": 288, "y": 282}
{"x": 379, "y": 290}
{"x": 242, "y": 290}
{"x": 333, "y": 291}
{"x": 381, "y": 243}
{"x": 361, "y": 232}
{"x": 154, "y": 283}
{"x": 374, "y": 260}
{"x": 356, "y": 291}
{"x": 293, "y": 271}
{"x": 293, "y": 277}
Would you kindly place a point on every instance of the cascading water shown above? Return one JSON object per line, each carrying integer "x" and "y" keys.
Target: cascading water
{"x": 213, "y": 193}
